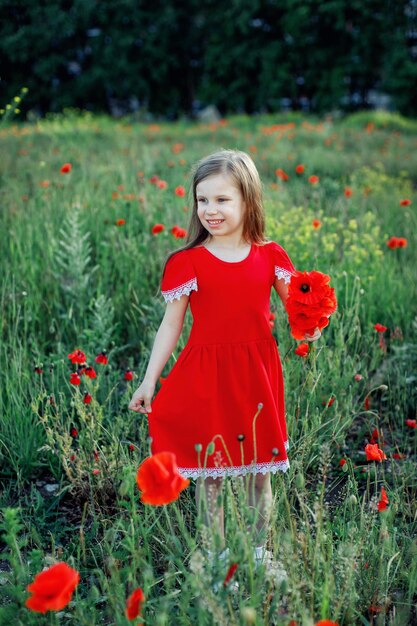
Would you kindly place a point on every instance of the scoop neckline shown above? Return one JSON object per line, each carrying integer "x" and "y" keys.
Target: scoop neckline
{"x": 252, "y": 247}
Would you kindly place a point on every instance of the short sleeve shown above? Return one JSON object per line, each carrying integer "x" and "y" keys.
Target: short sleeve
{"x": 283, "y": 266}
{"x": 179, "y": 277}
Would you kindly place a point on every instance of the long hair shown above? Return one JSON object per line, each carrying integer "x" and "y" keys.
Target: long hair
{"x": 240, "y": 167}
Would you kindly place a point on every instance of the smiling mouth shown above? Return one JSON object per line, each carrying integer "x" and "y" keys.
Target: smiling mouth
{"x": 215, "y": 221}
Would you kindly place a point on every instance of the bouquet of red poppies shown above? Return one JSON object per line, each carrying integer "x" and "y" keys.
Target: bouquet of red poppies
{"x": 310, "y": 303}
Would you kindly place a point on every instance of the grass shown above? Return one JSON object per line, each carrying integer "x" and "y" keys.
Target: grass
{"x": 73, "y": 278}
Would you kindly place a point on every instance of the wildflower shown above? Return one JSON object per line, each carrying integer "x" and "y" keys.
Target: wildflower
{"x": 326, "y": 622}
{"x": 96, "y": 456}
{"x": 134, "y": 604}
{"x": 401, "y": 242}
{"x": 310, "y": 302}
{"x": 405, "y": 202}
{"x": 275, "y": 451}
{"x": 241, "y": 437}
{"x": 120, "y": 222}
{"x": 373, "y": 453}
{"x": 375, "y": 436}
{"x": 38, "y": 370}
{"x": 74, "y": 432}
{"x": 299, "y": 169}
{"x": 342, "y": 462}
{"x": 101, "y": 358}
{"x": 89, "y": 371}
{"x": 380, "y": 328}
{"x": 131, "y": 447}
{"x": 281, "y": 174}
{"x": 313, "y": 179}
{"x": 72, "y": 458}
{"x": 161, "y": 184}
{"x": 348, "y": 192}
{"x": 180, "y": 191}
{"x": 316, "y": 224}
{"x": 358, "y": 377}
{"x": 52, "y": 589}
{"x": 230, "y": 573}
{"x": 159, "y": 480}
{"x": 399, "y": 455}
{"x": 330, "y": 401}
{"x": 302, "y": 350}
{"x": 411, "y": 423}
{"x": 95, "y": 471}
{"x": 178, "y": 232}
{"x": 367, "y": 403}
{"x": 87, "y": 398}
{"x": 77, "y": 357}
{"x": 128, "y": 375}
{"x": 382, "y": 504}
{"x": 157, "y": 228}
{"x": 66, "y": 168}
{"x": 397, "y": 242}
{"x": 75, "y": 379}
{"x": 177, "y": 147}
{"x": 154, "y": 179}
{"x": 44, "y": 183}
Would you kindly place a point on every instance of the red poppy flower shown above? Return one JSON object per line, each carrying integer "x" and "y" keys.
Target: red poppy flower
{"x": 399, "y": 455}
{"x": 326, "y": 622}
{"x": 77, "y": 357}
{"x": 302, "y": 349}
{"x": 87, "y": 398}
{"x": 38, "y": 370}
{"x": 134, "y": 604}
{"x": 313, "y": 179}
{"x": 180, "y": 191}
{"x": 178, "y": 232}
{"x": 405, "y": 202}
{"x": 380, "y": 328}
{"x": 66, "y": 168}
{"x": 128, "y": 375}
{"x": 331, "y": 401}
{"x": 358, "y": 377}
{"x": 310, "y": 287}
{"x": 131, "y": 446}
{"x": 382, "y": 504}
{"x": 52, "y": 589}
{"x": 154, "y": 179}
{"x": 411, "y": 423}
{"x": 177, "y": 147}
{"x": 367, "y": 403}
{"x": 348, "y": 192}
{"x": 299, "y": 169}
{"x": 230, "y": 573}
{"x": 342, "y": 462}
{"x": 373, "y": 453}
{"x": 44, "y": 183}
{"x": 90, "y": 372}
{"x": 375, "y": 436}
{"x": 74, "y": 432}
{"x": 101, "y": 358}
{"x": 281, "y": 174}
{"x": 159, "y": 480}
{"x": 157, "y": 228}
{"x": 401, "y": 242}
{"x": 316, "y": 224}
{"x": 161, "y": 184}
{"x": 392, "y": 242}
{"x": 75, "y": 379}
{"x": 120, "y": 222}
{"x": 95, "y": 471}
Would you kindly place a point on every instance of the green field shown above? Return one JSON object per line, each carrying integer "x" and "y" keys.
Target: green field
{"x": 81, "y": 269}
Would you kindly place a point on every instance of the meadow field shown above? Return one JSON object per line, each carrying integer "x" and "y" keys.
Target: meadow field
{"x": 81, "y": 259}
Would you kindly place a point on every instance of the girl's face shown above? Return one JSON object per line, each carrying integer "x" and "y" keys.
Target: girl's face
{"x": 220, "y": 206}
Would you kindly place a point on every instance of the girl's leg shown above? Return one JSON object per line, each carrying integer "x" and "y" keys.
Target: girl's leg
{"x": 207, "y": 492}
{"x": 259, "y": 492}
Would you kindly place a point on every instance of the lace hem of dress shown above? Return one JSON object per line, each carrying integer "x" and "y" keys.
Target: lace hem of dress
{"x": 181, "y": 290}
{"x": 281, "y": 273}
{"x": 236, "y": 470}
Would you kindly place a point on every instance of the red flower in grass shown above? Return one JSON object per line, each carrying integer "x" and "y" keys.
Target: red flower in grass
{"x": 342, "y": 462}
{"x": 159, "y": 480}
{"x": 302, "y": 349}
{"x": 87, "y": 398}
{"x": 313, "y": 179}
{"x": 380, "y": 328}
{"x": 310, "y": 302}
{"x": 281, "y": 175}
{"x": 178, "y": 232}
{"x": 120, "y": 222}
{"x": 66, "y": 168}
{"x": 397, "y": 242}
{"x": 405, "y": 202}
{"x": 101, "y": 358}
{"x": 348, "y": 192}
{"x": 161, "y": 184}
{"x": 230, "y": 573}
{"x": 75, "y": 379}
{"x": 157, "y": 228}
{"x": 180, "y": 191}
{"x": 326, "y": 622}
{"x": 77, "y": 357}
{"x": 134, "y": 604}
{"x": 299, "y": 169}
{"x": 316, "y": 224}
{"x": 383, "y": 502}
{"x": 90, "y": 372}
{"x": 373, "y": 453}
{"x": 401, "y": 242}
{"x": 74, "y": 432}
{"x": 128, "y": 375}
{"x": 411, "y": 423}
{"x": 52, "y": 589}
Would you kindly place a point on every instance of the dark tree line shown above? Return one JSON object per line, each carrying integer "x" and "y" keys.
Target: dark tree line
{"x": 173, "y": 56}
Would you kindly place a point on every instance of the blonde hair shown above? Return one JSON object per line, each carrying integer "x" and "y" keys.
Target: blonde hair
{"x": 240, "y": 167}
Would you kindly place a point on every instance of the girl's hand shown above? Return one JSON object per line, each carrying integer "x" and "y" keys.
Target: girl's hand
{"x": 144, "y": 393}
{"x": 316, "y": 335}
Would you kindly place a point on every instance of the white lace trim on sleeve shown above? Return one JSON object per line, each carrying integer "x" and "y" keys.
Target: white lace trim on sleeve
{"x": 184, "y": 289}
{"x": 281, "y": 273}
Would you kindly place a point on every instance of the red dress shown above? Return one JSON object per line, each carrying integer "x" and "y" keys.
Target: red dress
{"x": 229, "y": 366}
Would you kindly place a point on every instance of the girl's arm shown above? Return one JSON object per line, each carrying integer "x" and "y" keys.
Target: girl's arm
{"x": 282, "y": 290}
{"x": 165, "y": 341}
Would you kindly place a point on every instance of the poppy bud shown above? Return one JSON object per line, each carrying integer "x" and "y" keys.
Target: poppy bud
{"x": 198, "y": 447}
{"x": 241, "y": 437}
{"x": 275, "y": 451}
{"x": 210, "y": 448}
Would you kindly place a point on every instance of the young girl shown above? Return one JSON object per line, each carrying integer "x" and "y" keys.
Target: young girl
{"x": 230, "y": 369}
